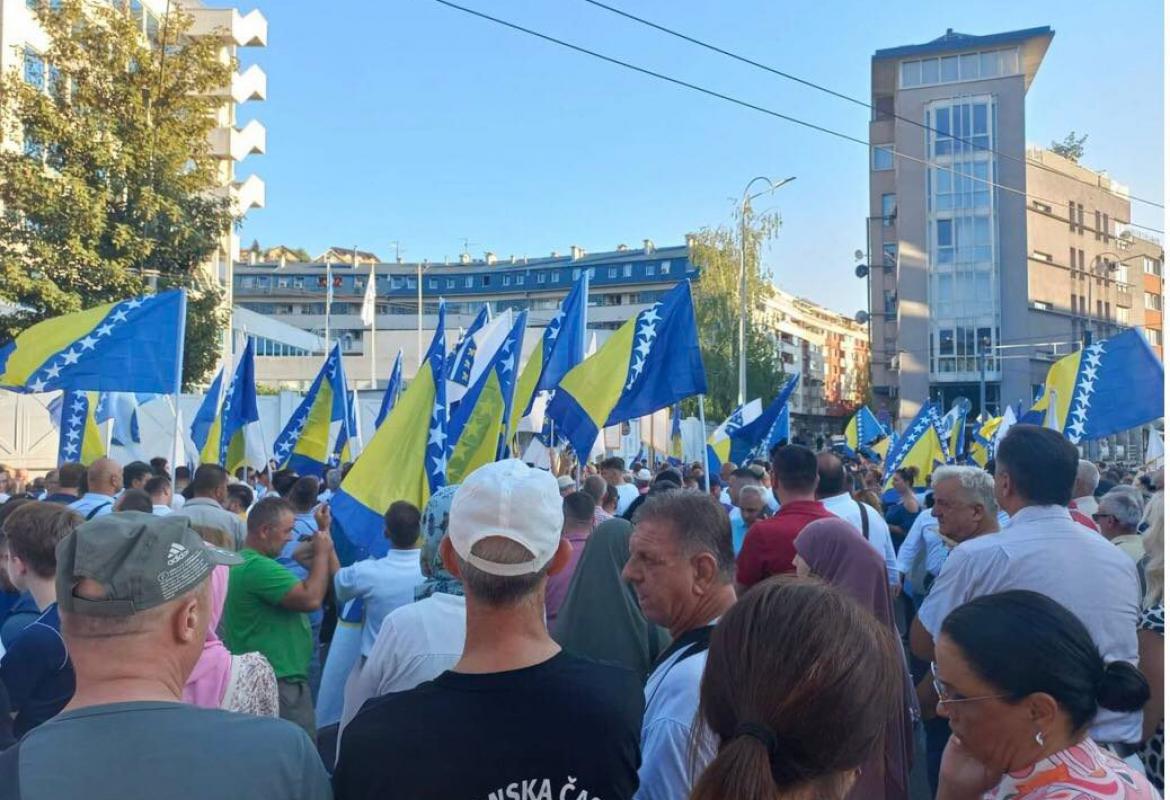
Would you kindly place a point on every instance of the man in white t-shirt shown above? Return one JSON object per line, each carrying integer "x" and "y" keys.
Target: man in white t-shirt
{"x": 682, "y": 570}
{"x": 614, "y": 471}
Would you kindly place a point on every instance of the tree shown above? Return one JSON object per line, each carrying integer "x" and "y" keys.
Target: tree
{"x": 112, "y": 191}
{"x": 716, "y": 295}
{"x": 1072, "y": 148}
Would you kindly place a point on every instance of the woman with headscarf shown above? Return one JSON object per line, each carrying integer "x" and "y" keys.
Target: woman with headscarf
{"x": 600, "y": 618}
{"x": 419, "y": 641}
{"x": 834, "y": 551}
{"x": 243, "y": 683}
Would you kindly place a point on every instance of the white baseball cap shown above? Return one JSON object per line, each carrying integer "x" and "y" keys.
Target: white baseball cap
{"x": 512, "y": 500}
{"x": 643, "y": 475}
{"x": 565, "y": 481}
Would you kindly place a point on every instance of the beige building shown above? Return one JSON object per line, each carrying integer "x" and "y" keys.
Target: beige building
{"x": 23, "y": 43}
{"x": 983, "y": 253}
{"x": 828, "y": 350}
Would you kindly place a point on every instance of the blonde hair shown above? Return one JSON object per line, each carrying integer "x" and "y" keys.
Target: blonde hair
{"x": 1155, "y": 549}
{"x": 215, "y": 536}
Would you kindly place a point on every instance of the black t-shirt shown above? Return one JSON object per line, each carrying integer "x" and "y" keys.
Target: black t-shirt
{"x": 563, "y": 729}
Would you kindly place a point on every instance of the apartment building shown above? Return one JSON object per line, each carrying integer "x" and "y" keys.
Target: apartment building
{"x": 987, "y": 259}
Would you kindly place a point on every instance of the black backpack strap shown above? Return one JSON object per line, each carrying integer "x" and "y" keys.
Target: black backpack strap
{"x": 864, "y": 519}
{"x": 93, "y": 513}
{"x": 10, "y": 773}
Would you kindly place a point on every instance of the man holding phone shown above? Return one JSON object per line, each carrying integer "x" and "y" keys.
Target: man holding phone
{"x": 267, "y": 606}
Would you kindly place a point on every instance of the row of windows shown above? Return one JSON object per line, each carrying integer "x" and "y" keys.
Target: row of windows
{"x": 435, "y": 283}
{"x": 470, "y": 308}
{"x": 965, "y": 67}
{"x": 269, "y": 347}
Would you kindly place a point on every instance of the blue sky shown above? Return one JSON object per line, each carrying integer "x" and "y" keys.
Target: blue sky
{"x": 408, "y": 121}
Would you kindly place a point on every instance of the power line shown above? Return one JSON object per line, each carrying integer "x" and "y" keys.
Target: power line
{"x": 854, "y": 100}
{"x": 752, "y": 106}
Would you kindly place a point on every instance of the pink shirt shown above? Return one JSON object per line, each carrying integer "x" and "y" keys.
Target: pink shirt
{"x": 558, "y": 585}
{"x": 1081, "y": 772}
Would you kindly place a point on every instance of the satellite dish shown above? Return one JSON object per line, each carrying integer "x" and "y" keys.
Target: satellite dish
{"x": 861, "y": 317}
{"x": 861, "y": 270}
{"x": 857, "y": 254}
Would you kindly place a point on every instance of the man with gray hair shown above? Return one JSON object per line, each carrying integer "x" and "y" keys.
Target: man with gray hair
{"x": 522, "y": 716}
{"x": 1088, "y": 476}
{"x": 135, "y": 602}
{"x": 1118, "y": 515}
{"x": 682, "y": 569}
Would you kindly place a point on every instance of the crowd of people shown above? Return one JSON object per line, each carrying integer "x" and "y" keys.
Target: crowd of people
{"x": 789, "y": 628}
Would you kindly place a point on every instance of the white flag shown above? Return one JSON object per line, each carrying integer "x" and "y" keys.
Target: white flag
{"x": 368, "y": 307}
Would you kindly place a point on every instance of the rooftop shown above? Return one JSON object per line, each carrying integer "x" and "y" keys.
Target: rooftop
{"x": 952, "y": 41}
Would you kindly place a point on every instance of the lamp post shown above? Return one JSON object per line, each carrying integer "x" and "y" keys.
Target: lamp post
{"x": 773, "y": 185}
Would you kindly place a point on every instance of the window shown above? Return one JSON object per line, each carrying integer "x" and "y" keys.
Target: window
{"x": 613, "y": 272}
{"x": 1072, "y": 259}
{"x": 576, "y": 274}
{"x": 1097, "y": 225}
{"x": 507, "y": 280}
{"x": 412, "y": 283}
{"x": 359, "y": 284}
{"x": 485, "y": 280}
{"x": 540, "y": 277}
{"x": 519, "y": 280}
{"x": 883, "y": 157}
{"x": 1072, "y": 215}
{"x": 964, "y": 67}
{"x": 664, "y": 268}
{"x": 649, "y": 269}
{"x": 949, "y": 69}
{"x": 1105, "y": 226}
{"x": 890, "y": 255}
{"x": 1151, "y": 266}
{"x": 432, "y": 283}
{"x": 468, "y": 281}
{"x": 1154, "y": 336}
{"x": 34, "y": 68}
{"x": 1153, "y": 301}
{"x": 556, "y": 277}
{"x": 889, "y": 209}
{"x": 282, "y": 282}
{"x": 450, "y": 283}
{"x": 883, "y": 107}
{"x": 627, "y": 270}
{"x": 1081, "y": 217}
{"x": 1122, "y": 272}
{"x": 299, "y": 283}
{"x": 1122, "y": 316}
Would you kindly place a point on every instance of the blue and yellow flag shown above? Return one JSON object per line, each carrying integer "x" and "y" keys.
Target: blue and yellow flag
{"x": 477, "y": 426}
{"x": 953, "y": 429}
{"x": 983, "y": 440}
{"x": 393, "y": 389}
{"x": 648, "y": 363}
{"x": 101, "y": 349}
{"x": 719, "y": 442}
{"x": 921, "y": 445}
{"x": 306, "y": 443}
{"x": 757, "y": 438}
{"x": 461, "y": 357}
{"x": 862, "y": 429}
{"x": 238, "y": 411}
{"x": 121, "y": 410}
{"x": 343, "y": 449}
{"x": 561, "y": 348}
{"x": 405, "y": 460}
{"x": 81, "y": 438}
{"x": 205, "y": 427}
{"x": 1108, "y": 387}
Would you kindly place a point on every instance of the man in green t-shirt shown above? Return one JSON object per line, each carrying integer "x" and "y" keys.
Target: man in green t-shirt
{"x": 266, "y": 604}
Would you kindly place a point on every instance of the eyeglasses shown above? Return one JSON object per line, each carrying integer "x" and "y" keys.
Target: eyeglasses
{"x": 1098, "y": 517}
{"x": 946, "y": 696}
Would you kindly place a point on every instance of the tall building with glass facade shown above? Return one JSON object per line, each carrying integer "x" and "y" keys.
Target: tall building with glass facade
{"x": 948, "y": 280}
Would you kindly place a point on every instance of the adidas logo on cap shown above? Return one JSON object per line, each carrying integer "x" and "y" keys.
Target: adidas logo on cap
{"x": 176, "y": 554}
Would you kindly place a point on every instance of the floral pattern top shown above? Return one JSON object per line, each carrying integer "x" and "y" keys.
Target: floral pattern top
{"x": 252, "y": 687}
{"x": 1081, "y": 772}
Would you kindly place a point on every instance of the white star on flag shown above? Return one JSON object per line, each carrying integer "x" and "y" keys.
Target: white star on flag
{"x": 70, "y": 356}
{"x": 104, "y": 330}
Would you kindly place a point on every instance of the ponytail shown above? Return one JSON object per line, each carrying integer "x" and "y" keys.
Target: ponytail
{"x": 1122, "y": 687}
{"x": 741, "y": 769}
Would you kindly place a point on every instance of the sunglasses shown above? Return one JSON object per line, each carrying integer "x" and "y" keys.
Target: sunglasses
{"x": 945, "y": 695}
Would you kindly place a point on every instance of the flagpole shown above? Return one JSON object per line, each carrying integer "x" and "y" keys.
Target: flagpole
{"x": 373, "y": 325}
{"x": 179, "y": 349}
{"x": 328, "y": 299}
{"x": 703, "y": 423}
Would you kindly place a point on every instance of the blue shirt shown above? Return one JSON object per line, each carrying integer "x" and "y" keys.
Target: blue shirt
{"x": 37, "y": 672}
{"x": 303, "y": 525}
{"x": 20, "y": 615}
{"x": 739, "y": 531}
{"x": 89, "y": 501}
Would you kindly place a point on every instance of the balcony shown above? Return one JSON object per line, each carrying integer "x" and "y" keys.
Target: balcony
{"x": 242, "y": 30}
{"x": 239, "y": 143}
{"x": 244, "y": 195}
{"x": 251, "y": 84}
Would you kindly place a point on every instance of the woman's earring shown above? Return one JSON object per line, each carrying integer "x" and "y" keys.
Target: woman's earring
{"x": 1040, "y": 738}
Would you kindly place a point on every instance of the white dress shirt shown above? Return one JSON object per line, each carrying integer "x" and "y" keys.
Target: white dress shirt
{"x": 88, "y": 502}
{"x": 383, "y": 584}
{"x": 844, "y": 506}
{"x": 1044, "y": 550}
{"x": 923, "y": 534}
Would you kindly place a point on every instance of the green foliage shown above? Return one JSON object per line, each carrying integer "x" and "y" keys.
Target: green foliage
{"x": 716, "y": 294}
{"x": 1071, "y": 147}
{"x": 112, "y": 189}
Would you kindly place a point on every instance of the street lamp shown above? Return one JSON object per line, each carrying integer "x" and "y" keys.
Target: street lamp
{"x": 773, "y": 185}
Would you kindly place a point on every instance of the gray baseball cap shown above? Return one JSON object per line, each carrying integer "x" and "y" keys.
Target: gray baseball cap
{"x": 141, "y": 560}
